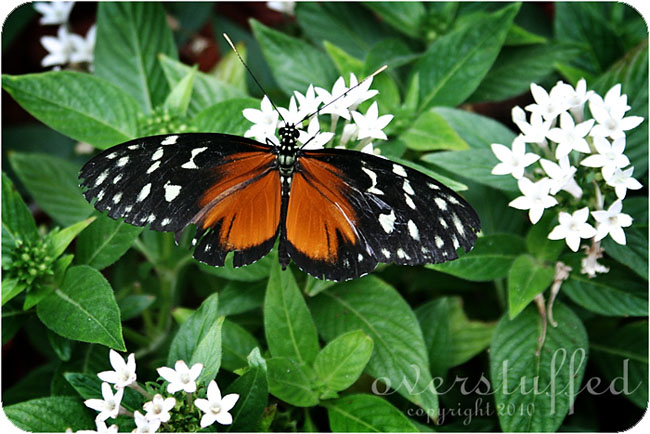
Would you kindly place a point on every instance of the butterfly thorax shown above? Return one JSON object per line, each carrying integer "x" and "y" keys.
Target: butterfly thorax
{"x": 287, "y": 154}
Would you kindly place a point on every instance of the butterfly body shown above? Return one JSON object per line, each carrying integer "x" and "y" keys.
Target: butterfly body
{"x": 337, "y": 213}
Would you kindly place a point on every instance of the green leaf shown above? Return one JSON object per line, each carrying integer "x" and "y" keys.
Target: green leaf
{"x": 36, "y": 293}
{"x": 445, "y": 325}
{"x": 366, "y": 413}
{"x": 526, "y": 279}
{"x": 295, "y": 64}
{"x": 390, "y": 52}
{"x": 634, "y": 254}
{"x": 207, "y": 90}
{"x": 133, "y": 305}
{"x": 474, "y": 164}
{"x": 130, "y": 36}
{"x": 236, "y": 344}
{"x": 53, "y": 184}
{"x": 291, "y": 382}
{"x": 82, "y": 106}
{"x": 451, "y": 183}
{"x": 342, "y": 361}
{"x": 59, "y": 240}
{"x": 198, "y": 340}
{"x": 17, "y": 221}
{"x": 230, "y": 70}
{"x": 454, "y": 65}
{"x": 225, "y": 117}
{"x": 490, "y": 259}
{"x": 238, "y": 297}
{"x": 50, "y": 414}
{"x": 11, "y": 288}
{"x": 89, "y": 386}
{"x": 404, "y": 17}
{"x": 344, "y": 62}
{"x": 431, "y": 132}
{"x": 105, "y": 241}
{"x": 288, "y": 325}
{"x": 253, "y": 391}
{"x": 478, "y": 131}
{"x": 84, "y": 309}
{"x": 517, "y": 35}
{"x": 399, "y": 357}
{"x": 178, "y": 99}
{"x": 537, "y": 241}
{"x": 248, "y": 273}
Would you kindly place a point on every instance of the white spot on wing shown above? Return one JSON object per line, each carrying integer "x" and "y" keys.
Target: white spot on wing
{"x": 407, "y": 187}
{"x": 158, "y": 154}
{"x": 101, "y": 178}
{"x": 387, "y": 221}
{"x": 144, "y": 193}
{"x": 409, "y": 201}
{"x": 453, "y": 200}
{"x": 373, "y": 179}
{"x": 433, "y": 186}
{"x": 165, "y": 221}
{"x": 399, "y": 170}
{"x": 111, "y": 155}
{"x": 169, "y": 140}
{"x": 385, "y": 252}
{"x": 402, "y": 254}
{"x": 100, "y": 195}
{"x": 190, "y": 164}
{"x": 439, "y": 242}
{"x": 441, "y": 203}
{"x": 459, "y": 225}
{"x": 122, "y": 161}
{"x": 117, "y": 197}
{"x": 413, "y": 230}
{"x": 455, "y": 241}
{"x": 360, "y": 257}
{"x": 117, "y": 178}
{"x": 134, "y": 147}
{"x": 153, "y": 167}
{"x": 443, "y": 223}
{"x": 128, "y": 208}
{"x": 171, "y": 191}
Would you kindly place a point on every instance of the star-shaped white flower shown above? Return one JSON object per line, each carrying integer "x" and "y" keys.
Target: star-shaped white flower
{"x": 123, "y": 373}
{"x": 610, "y": 116}
{"x": 102, "y": 428}
{"x": 368, "y": 149}
{"x": 158, "y": 408}
{"x": 576, "y": 98}
{"x": 569, "y": 136}
{"x": 109, "y": 406}
{"x": 572, "y": 228}
{"x": 293, "y": 115}
{"x": 145, "y": 425}
{"x": 612, "y": 222}
{"x": 284, "y": 6}
{"x": 561, "y": 176}
{"x": 536, "y": 130}
{"x": 59, "y": 48}
{"x": 313, "y": 138}
{"x": 341, "y": 106}
{"x": 265, "y": 121}
{"x": 181, "y": 377}
{"x": 54, "y": 12}
{"x": 535, "y": 198}
{"x": 215, "y": 407}
{"x": 83, "y": 48}
{"x": 549, "y": 105}
{"x": 513, "y": 161}
{"x": 622, "y": 181}
{"x": 307, "y": 103}
{"x": 610, "y": 156}
{"x": 361, "y": 93}
{"x": 371, "y": 124}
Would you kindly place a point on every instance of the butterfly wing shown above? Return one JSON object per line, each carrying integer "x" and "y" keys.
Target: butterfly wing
{"x": 225, "y": 185}
{"x": 350, "y": 210}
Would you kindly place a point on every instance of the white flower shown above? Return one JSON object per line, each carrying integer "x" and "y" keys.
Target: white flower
{"x": 309, "y": 102}
{"x": 145, "y": 425}
{"x": 590, "y": 264}
{"x": 350, "y": 132}
{"x": 102, "y": 428}
{"x": 158, "y": 408}
{"x": 561, "y": 176}
{"x": 612, "y": 222}
{"x": 576, "y": 98}
{"x": 215, "y": 407}
{"x": 371, "y": 125}
{"x": 123, "y": 373}
{"x": 569, "y": 136}
{"x": 368, "y": 149}
{"x": 611, "y": 115}
{"x": 109, "y": 406}
{"x": 293, "y": 115}
{"x": 513, "y": 161}
{"x": 535, "y": 198}
{"x": 610, "y": 156}
{"x": 54, "y": 12}
{"x": 361, "y": 93}
{"x": 341, "y": 106}
{"x": 265, "y": 121}
{"x": 83, "y": 48}
{"x": 181, "y": 377}
{"x": 549, "y": 105}
{"x": 536, "y": 130}
{"x": 59, "y": 48}
{"x": 313, "y": 138}
{"x": 622, "y": 181}
{"x": 572, "y": 228}
{"x": 284, "y": 6}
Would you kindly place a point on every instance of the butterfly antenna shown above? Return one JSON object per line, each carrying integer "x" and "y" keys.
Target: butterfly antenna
{"x": 345, "y": 93}
{"x": 252, "y": 75}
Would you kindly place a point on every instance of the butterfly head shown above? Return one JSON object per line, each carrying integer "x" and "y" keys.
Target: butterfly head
{"x": 288, "y": 134}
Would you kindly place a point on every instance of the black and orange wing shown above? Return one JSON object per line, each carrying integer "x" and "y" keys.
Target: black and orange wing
{"x": 225, "y": 185}
{"x": 349, "y": 210}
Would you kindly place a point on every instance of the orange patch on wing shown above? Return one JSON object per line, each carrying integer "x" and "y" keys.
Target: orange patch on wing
{"x": 249, "y": 212}
{"x": 318, "y": 210}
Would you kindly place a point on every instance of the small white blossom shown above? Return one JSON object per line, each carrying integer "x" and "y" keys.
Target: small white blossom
{"x": 54, "y": 12}
{"x": 309, "y": 102}
{"x": 215, "y": 407}
{"x": 350, "y": 132}
{"x": 159, "y": 407}
{"x": 83, "y": 48}
{"x": 313, "y": 138}
{"x": 341, "y": 106}
{"x": 361, "y": 93}
{"x": 622, "y": 181}
{"x": 265, "y": 121}
{"x": 610, "y": 156}
{"x": 368, "y": 149}
{"x": 181, "y": 377}
{"x": 123, "y": 373}
{"x": 611, "y": 115}
{"x": 284, "y": 6}
{"x": 145, "y": 425}
{"x": 576, "y": 98}
{"x": 572, "y": 228}
{"x": 59, "y": 48}
{"x": 536, "y": 130}
{"x": 612, "y": 222}
{"x": 570, "y": 137}
{"x": 561, "y": 176}
{"x": 513, "y": 161}
{"x": 371, "y": 124}
{"x": 109, "y": 406}
{"x": 535, "y": 198}
{"x": 293, "y": 115}
{"x": 102, "y": 428}
{"x": 549, "y": 105}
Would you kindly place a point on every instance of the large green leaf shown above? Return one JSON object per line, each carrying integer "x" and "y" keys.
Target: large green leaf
{"x": 399, "y": 357}
{"x": 456, "y": 63}
{"x": 295, "y": 63}
{"x": 429, "y": 132}
{"x": 54, "y": 185}
{"x": 634, "y": 254}
{"x": 289, "y": 328}
{"x": 130, "y": 36}
{"x": 366, "y": 413}
{"x": 478, "y": 131}
{"x": 82, "y": 106}
{"x": 226, "y": 117}
{"x": 236, "y": 344}
{"x": 253, "y": 391}
{"x": 17, "y": 222}
{"x": 405, "y": 17}
{"x": 527, "y": 278}
{"x": 105, "y": 241}
{"x": 539, "y": 389}
{"x": 291, "y": 382}
{"x": 50, "y": 414}
{"x": 84, "y": 309}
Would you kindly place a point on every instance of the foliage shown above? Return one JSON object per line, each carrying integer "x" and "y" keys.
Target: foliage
{"x": 381, "y": 353}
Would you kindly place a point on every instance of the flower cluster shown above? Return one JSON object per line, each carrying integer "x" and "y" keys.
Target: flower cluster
{"x": 66, "y": 48}
{"x": 577, "y": 165}
{"x": 340, "y": 103}
{"x": 157, "y": 411}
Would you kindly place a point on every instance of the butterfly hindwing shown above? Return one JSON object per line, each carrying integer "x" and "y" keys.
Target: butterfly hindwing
{"x": 217, "y": 182}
